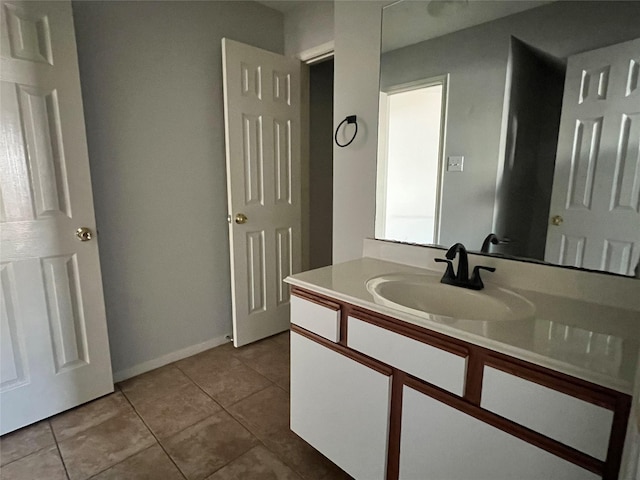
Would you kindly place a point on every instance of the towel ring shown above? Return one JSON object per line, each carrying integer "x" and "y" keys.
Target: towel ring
{"x": 348, "y": 120}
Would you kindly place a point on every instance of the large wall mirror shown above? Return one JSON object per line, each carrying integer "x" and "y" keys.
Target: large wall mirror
{"x": 514, "y": 118}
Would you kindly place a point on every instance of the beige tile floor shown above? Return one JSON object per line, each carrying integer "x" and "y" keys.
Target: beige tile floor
{"x": 219, "y": 415}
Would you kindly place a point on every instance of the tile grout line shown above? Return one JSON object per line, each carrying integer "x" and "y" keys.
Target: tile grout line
{"x": 117, "y": 463}
{"x": 158, "y": 440}
{"x": 232, "y": 460}
{"x": 209, "y": 416}
{"x": 284, "y": 461}
{"x": 55, "y": 442}
{"x": 24, "y": 456}
{"x": 245, "y": 426}
{"x": 271, "y": 383}
{"x": 240, "y": 359}
{"x": 257, "y": 437}
{"x": 154, "y": 400}
{"x": 154, "y": 435}
{"x": 55, "y": 439}
{"x": 121, "y": 461}
{"x": 284, "y": 349}
{"x": 118, "y": 389}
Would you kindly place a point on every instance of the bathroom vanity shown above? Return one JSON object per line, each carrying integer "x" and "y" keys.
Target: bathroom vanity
{"x": 390, "y": 391}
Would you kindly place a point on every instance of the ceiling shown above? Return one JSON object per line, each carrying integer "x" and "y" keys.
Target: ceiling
{"x": 283, "y": 6}
{"x": 412, "y": 21}
{"x": 409, "y": 22}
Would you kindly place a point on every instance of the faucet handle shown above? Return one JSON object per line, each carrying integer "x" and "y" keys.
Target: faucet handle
{"x": 449, "y": 274}
{"x": 475, "y": 282}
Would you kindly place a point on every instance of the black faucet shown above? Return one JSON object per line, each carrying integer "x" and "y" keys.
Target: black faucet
{"x": 492, "y": 238}
{"x": 461, "y": 277}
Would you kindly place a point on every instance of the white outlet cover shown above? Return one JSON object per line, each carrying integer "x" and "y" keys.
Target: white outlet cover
{"x": 455, "y": 163}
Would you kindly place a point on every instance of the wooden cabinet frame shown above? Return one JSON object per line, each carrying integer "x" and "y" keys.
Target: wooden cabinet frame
{"x": 469, "y": 403}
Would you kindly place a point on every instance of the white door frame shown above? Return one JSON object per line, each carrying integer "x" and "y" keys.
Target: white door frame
{"x": 383, "y": 133}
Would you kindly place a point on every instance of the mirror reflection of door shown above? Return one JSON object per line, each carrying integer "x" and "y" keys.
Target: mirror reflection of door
{"x": 595, "y": 206}
{"x": 411, "y": 129}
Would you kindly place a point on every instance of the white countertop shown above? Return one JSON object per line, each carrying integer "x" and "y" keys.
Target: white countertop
{"x": 597, "y": 343}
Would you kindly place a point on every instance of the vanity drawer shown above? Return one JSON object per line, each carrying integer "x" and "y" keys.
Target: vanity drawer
{"x": 321, "y": 319}
{"x": 434, "y": 365}
{"x": 567, "y": 419}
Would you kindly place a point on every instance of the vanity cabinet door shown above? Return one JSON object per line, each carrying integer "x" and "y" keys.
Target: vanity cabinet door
{"x": 440, "y": 442}
{"x": 434, "y": 365}
{"x": 340, "y": 407}
{"x": 321, "y": 319}
{"x": 569, "y": 420}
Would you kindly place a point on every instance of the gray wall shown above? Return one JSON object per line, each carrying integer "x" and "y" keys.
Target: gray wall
{"x": 307, "y": 26}
{"x": 523, "y": 195}
{"x": 357, "y": 63}
{"x": 355, "y": 30}
{"x": 476, "y": 59}
{"x": 152, "y": 90}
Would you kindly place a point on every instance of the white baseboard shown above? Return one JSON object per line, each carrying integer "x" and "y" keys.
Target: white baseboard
{"x": 168, "y": 358}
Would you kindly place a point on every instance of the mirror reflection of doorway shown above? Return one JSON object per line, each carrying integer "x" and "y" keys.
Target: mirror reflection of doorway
{"x": 411, "y": 130}
{"x": 320, "y": 170}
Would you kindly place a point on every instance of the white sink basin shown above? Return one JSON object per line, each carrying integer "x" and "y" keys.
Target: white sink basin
{"x": 424, "y": 294}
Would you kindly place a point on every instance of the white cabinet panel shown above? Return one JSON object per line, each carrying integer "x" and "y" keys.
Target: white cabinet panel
{"x": 316, "y": 318}
{"x": 574, "y": 422}
{"x": 438, "y": 367}
{"x": 440, "y": 442}
{"x": 340, "y": 407}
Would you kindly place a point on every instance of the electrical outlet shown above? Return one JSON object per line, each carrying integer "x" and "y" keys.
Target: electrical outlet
{"x": 455, "y": 164}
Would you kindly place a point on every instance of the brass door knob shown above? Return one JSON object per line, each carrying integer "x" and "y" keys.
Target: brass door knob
{"x": 556, "y": 220}
{"x": 241, "y": 218}
{"x": 84, "y": 234}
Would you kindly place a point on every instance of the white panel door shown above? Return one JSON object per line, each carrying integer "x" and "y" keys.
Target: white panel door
{"x": 53, "y": 335}
{"x": 596, "y": 186}
{"x": 262, "y": 133}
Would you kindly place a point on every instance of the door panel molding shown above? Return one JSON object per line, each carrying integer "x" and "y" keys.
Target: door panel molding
{"x": 262, "y": 134}
{"x": 55, "y": 347}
